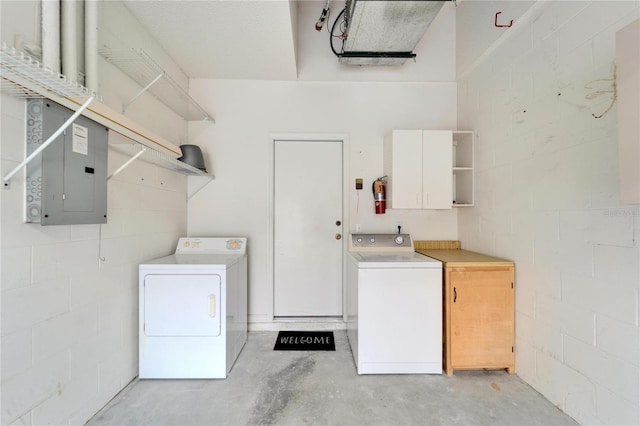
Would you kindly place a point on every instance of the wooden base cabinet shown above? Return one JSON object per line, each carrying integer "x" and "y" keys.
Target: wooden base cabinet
{"x": 479, "y": 318}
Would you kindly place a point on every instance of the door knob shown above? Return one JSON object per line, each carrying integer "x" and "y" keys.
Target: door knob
{"x": 338, "y": 223}
{"x": 338, "y": 236}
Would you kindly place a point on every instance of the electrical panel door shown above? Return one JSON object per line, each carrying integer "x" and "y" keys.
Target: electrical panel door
{"x": 67, "y": 184}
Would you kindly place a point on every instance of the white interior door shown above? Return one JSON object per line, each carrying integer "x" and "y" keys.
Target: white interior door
{"x": 307, "y": 228}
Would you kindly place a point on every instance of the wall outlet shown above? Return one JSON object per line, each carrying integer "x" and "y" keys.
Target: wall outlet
{"x": 358, "y": 184}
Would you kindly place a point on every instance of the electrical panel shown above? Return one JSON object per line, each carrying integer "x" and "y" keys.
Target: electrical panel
{"x": 67, "y": 182}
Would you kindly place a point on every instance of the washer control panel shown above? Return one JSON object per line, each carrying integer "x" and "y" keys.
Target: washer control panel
{"x": 381, "y": 242}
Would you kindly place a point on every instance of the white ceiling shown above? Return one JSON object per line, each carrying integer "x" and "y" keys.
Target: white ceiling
{"x": 277, "y": 40}
{"x": 240, "y": 39}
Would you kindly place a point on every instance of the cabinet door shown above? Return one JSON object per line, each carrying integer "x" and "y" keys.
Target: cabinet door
{"x": 482, "y": 318}
{"x": 403, "y": 166}
{"x": 437, "y": 159}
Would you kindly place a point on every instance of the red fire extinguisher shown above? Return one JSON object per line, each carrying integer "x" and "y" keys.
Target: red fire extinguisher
{"x": 379, "y": 194}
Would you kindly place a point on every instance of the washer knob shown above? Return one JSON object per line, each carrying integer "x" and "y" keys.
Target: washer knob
{"x": 399, "y": 239}
{"x": 372, "y": 239}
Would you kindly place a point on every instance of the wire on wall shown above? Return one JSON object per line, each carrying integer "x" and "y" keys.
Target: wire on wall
{"x": 597, "y": 93}
{"x": 343, "y": 31}
{"x": 326, "y": 13}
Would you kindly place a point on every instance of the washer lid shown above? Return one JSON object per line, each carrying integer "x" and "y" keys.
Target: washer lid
{"x": 394, "y": 260}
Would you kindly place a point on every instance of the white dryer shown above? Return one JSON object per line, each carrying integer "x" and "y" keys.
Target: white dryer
{"x": 193, "y": 310}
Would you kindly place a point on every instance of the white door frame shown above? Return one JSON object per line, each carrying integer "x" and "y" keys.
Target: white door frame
{"x": 308, "y": 137}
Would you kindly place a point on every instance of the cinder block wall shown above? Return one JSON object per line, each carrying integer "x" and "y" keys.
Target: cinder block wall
{"x": 69, "y": 330}
{"x": 69, "y": 320}
{"x": 547, "y": 197}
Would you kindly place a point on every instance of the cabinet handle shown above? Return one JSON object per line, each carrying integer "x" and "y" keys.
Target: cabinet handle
{"x": 455, "y": 295}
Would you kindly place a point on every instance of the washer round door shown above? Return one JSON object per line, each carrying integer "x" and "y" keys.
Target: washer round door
{"x": 182, "y": 305}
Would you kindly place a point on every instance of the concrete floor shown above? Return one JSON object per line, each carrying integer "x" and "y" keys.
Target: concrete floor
{"x": 322, "y": 388}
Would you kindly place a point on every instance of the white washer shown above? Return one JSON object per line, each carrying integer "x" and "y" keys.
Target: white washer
{"x": 393, "y": 306}
{"x": 193, "y": 310}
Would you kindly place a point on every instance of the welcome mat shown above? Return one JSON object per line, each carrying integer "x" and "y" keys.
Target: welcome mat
{"x": 305, "y": 341}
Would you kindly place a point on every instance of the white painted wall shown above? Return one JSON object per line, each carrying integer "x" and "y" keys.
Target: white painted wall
{"x": 547, "y": 198}
{"x": 236, "y": 150}
{"x": 362, "y": 102}
{"x": 476, "y": 27}
{"x": 69, "y": 322}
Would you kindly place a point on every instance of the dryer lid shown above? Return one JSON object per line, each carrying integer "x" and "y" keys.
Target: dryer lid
{"x": 193, "y": 261}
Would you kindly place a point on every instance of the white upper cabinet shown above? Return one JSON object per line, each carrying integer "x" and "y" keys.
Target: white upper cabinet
{"x": 422, "y": 172}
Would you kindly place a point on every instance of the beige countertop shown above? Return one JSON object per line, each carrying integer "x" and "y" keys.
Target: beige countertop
{"x": 453, "y": 258}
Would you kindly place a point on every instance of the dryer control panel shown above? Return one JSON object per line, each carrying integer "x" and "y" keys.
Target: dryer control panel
{"x": 212, "y": 245}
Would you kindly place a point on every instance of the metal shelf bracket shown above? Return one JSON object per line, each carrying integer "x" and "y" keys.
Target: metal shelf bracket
{"x": 137, "y": 95}
{"x": 209, "y": 180}
{"x": 143, "y": 149}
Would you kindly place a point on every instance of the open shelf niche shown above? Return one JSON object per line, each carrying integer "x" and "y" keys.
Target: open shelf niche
{"x": 463, "y": 182}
